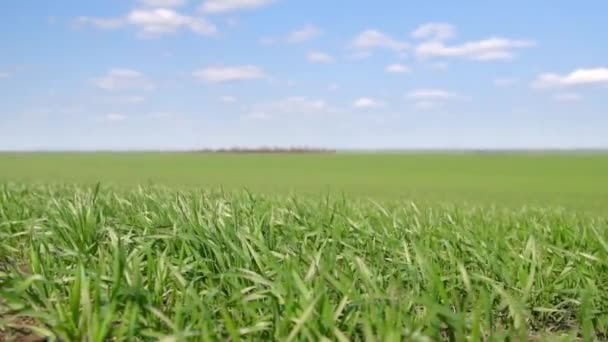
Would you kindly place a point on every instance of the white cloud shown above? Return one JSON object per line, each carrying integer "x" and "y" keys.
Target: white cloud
{"x": 221, "y": 74}
{"x": 568, "y": 97}
{"x": 154, "y": 22}
{"x": 228, "y": 99}
{"x": 396, "y": 69}
{"x": 371, "y": 39}
{"x": 435, "y": 31}
{"x": 333, "y": 87}
{"x": 319, "y": 57}
{"x": 290, "y": 106}
{"x": 121, "y": 79}
{"x": 102, "y": 23}
{"x": 367, "y": 102}
{"x": 432, "y": 94}
{"x": 301, "y": 35}
{"x": 223, "y": 6}
{"x": 578, "y": 77}
{"x": 115, "y": 117}
{"x": 163, "y": 3}
{"x": 306, "y": 33}
{"x": 491, "y": 49}
{"x": 504, "y": 82}
{"x": 426, "y": 99}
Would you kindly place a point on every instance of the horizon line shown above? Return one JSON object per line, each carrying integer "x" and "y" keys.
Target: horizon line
{"x": 302, "y": 150}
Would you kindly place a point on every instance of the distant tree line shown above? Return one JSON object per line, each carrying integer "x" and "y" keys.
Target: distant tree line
{"x": 245, "y": 150}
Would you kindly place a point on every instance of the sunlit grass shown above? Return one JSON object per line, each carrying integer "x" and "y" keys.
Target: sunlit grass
{"x": 93, "y": 264}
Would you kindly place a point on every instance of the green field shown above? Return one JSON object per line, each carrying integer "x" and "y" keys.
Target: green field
{"x": 576, "y": 181}
{"x": 347, "y": 247}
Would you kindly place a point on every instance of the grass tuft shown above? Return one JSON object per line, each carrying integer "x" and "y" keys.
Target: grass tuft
{"x": 98, "y": 264}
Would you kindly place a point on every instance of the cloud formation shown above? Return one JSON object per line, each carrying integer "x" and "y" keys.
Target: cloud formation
{"x": 367, "y": 103}
{"x": 491, "y": 49}
{"x": 306, "y": 33}
{"x": 228, "y": 99}
{"x": 301, "y": 35}
{"x": 435, "y": 31}
{"x": 123, "y": 79}
{"x": 163, "y": 3}
{"x": 223, "y": 74}
{"x": 319, "y": 57}
{"x": 114, "y": 117}
{"x": 396, "y": 69}
{"x": 432, "y": 94}
{"x": 372, "y": 39}
{"x": 578, "y": 77}
{"x": 224, "y": 6}
{"x": 153, "y": 22}
{"x": 429, "y": 98}
{"x": 298, "y": 106}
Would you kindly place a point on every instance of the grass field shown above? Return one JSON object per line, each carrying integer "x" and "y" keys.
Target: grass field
{"x": 576, "y": 181}
{"x": 322, "y": 247}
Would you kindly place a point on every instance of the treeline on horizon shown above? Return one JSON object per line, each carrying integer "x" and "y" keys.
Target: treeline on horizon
{"x": 267, "y": 150}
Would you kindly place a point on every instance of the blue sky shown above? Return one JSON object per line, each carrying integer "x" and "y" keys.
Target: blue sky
{"x": 182, "y": 74}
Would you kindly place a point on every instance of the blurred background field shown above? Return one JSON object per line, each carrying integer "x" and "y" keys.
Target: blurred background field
{"x": 569, "y": 180}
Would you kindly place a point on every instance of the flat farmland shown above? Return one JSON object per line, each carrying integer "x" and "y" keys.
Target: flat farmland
{"x": 385, "y": 247}
{"x": 577, "y": 181}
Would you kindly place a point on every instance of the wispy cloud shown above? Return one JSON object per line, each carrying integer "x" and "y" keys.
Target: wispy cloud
{"x": 160, "y": 21}
{"x": 223, "y": 74}
{"x": 319, "y": 57}
{"x": 228, "y": 99}
{"x": 163, "y": 3}
{"x": 578, "y": 77}
{"x": 224, "y": 6}
{"x": 297, "y": 106}
{"x": 429, "y": 98}
{"x": 434, "y": 36}
{"x": 306, "y": 33}
{"x": 102, "y": 23}
{"x": 433, "y": 94}
{"x": 371, "y": 39}
{"x": 435, "y": 31}
{"x": 396, "y": 69}
{"x": 121, "y": 79}
{"x": 153, "y": 22}
{"x": 114, "y": 117}
{"x": 491, "y": 49}
{"x": 301, "y": 35}
{"x": 367, "y": 103}
{"x": 127, "y": 99}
